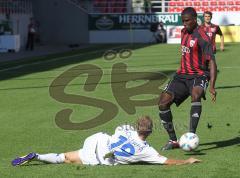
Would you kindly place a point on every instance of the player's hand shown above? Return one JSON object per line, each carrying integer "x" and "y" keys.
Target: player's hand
{"x": 213, "y": 94}
{"x": 193, "y": 160}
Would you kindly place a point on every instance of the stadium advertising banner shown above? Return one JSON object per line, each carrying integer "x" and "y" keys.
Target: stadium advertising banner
{"x": 231, "y": 34}
{"x": 174, "y": 34}
{"x": 133, "y": 21}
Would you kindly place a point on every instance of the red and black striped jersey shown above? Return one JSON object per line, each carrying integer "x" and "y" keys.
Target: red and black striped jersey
{"x": 212, "y": 30}
{"x": 196, "y": 53}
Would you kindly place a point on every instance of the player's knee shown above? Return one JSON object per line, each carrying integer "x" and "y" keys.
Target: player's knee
{"x": 165, "y": 101}
{"x": 196, "y": 97}
{"x": 69, "y": 158}
{"x": 66, "y": 158}
{"x": 162, "y": 105}
{"x": 72, "y": 157}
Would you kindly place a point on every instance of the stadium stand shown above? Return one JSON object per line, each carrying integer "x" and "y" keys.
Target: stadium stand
{"x": 204, "y": 5}
{"x": 80, "y": 4}
{"x": 15, "y": 7}
{"x": 172, "y": 6}
{"x": 110, "y": 6}
{"x": 102, "y": 6}
{"x": 138, "y": 6}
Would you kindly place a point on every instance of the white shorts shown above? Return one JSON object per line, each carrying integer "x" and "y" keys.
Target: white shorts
{"x": 94, "y": 149}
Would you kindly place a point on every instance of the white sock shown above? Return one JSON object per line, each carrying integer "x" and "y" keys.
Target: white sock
{"x": 53, "y": 158}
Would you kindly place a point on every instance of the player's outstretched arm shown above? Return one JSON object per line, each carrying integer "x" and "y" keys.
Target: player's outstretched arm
{"x": 222, "y": 42}
{"x": 213, "y": 77}
{"x": 181, "y": 162}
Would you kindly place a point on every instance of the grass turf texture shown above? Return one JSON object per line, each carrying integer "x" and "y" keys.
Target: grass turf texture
{"x": 28, "y": 115}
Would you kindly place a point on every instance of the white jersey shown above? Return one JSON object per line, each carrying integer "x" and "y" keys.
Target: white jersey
{"x": 125, "y": 144}
{"x": 129, "y": 148}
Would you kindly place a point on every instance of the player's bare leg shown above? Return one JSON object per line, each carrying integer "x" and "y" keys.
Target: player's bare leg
{"x": 52, "y": 158}
{"x": 72, "y": 157}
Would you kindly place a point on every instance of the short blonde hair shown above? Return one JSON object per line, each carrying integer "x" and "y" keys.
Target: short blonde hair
{"x": 144, "y": 125}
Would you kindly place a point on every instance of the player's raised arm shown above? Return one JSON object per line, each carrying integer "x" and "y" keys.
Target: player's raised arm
{"x": 181, "y": 162}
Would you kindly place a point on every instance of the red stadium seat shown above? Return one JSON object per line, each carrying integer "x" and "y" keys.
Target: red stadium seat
{"x": 237, "y": 2}
{"x": 221, "y": 9}
{"x": 171, "y": 3}
{"x": 187, "y": 3}
{"x": 203, "y": 9}
{"x": 178, "y": 9}
{"x": 180, "y": 3}
{"x": 204, "y": 3}
{"x": 237, "y": 8}
{"x": 230, "y": 3}
{"x": 174, "y": 10}
{"x": 232, "y": 8}
{"x": 222, "y": 3}
{"x": 213, "y": 3}
{"x": 213, "y": 9}
{"x": 198, "y": 9}
{"x": 197, "y": 3}
{"x": 171, "y": 9}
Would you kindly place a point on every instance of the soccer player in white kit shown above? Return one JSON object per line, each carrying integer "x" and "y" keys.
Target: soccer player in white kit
{"x": 127, "y": 145}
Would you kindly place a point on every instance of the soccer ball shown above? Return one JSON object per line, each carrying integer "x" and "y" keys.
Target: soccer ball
{"x": 189, "y": 141}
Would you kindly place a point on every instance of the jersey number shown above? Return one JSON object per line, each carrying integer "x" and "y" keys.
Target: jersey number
{"x": 127, "y": 149}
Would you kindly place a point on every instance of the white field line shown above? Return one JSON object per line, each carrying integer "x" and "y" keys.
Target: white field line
{"x": 230, "y": 67}
{"x": 56, "y": 59}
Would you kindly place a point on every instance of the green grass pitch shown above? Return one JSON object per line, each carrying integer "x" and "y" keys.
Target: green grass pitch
{"x": 28, "y": 113}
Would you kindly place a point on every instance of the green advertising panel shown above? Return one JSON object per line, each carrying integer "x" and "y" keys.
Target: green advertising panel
{"x": 133, "y": 21}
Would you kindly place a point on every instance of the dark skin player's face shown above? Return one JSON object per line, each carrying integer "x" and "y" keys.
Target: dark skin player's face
{"x": 189, "y": 22}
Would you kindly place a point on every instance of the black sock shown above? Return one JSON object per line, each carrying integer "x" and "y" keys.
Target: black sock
{"x": 195, "y": 114}
{"x": 166, "y": 119}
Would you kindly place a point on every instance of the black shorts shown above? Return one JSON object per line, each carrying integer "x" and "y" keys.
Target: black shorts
{"x": 181, "y": 88}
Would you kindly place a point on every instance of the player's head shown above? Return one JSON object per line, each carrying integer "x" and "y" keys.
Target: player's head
{"x": 189, "y": 18}
{"x": 207, "y": 15}
{"x": 144, "y": 126}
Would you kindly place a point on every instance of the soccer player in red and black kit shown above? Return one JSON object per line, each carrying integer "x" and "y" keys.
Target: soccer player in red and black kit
{"x": 212, "y": 30}
{"x": 197, "y": 67}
